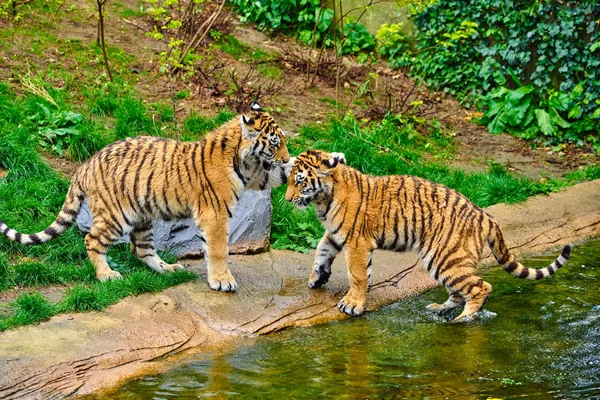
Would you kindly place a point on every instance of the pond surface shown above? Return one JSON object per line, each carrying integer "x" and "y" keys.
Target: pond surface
{"x": 544, "y": 343}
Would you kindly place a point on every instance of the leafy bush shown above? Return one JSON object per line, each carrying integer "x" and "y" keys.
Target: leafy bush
{"x": 526, "y": 113}
{"x": 306, "y": 20}
{"x": 392, "y": 43}
{"x": 549, "y": 49}
{"x": 289, "y": 16}
{"x": 357, "y": 39}
{"x": 55, "y": 129}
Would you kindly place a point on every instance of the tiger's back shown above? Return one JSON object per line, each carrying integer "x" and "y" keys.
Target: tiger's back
{"x": 401, "y": 213}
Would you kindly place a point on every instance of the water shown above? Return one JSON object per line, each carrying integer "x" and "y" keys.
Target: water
{"x": 535, "y": 340}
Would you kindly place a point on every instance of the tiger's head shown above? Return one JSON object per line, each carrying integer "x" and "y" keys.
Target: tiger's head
{"x": 263, "y": 137}
{"x": 311, "y": 177}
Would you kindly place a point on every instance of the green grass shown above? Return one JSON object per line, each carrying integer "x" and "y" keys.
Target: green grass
{"x": 230, "y": 45}
{"x": 195, "y": 126}
{"x": 27, "y": 309}
{"x": 400, "y": 150}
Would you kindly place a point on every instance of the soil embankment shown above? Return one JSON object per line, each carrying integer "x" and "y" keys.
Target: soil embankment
{"x": 83, "y": 353}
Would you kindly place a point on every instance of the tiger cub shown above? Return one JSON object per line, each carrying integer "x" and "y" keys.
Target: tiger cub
{"x": 401, "y": 213}
{"x": 132, "y": 182}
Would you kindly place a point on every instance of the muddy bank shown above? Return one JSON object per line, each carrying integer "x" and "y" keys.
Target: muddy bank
{"x": 81, "y": 353}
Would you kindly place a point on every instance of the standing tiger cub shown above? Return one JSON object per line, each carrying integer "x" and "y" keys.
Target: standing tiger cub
{"x": 401, "y": 213}
{"x": 132, "y": 182}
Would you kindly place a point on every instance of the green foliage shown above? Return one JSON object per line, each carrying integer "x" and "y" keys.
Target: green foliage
{"x": 306, "y": 20}
{"x": 357, "y": 39}
{"x": 547, "y": 46}
{"x": 17, "y": 11}
{"x": 525, "y": 113}
{"x": 55, "y": 129}
{"x": 392, "y": 43}
{"x": 306, "y": 232}
{"x": 289, "y": 16}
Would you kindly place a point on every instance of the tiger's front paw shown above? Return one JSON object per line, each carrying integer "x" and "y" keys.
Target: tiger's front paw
{"x": 319, "y": 276}
{"x": 108, "y": 275}
{"x": 224, "y": 283}
{"x": 352, "y": 306}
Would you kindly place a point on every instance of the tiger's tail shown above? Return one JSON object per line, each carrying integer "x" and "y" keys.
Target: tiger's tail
{"x": 515, "y": 268}
{"x": 63, "y": 221}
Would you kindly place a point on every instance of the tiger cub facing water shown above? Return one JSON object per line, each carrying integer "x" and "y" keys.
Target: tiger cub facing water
{"x": 401, "y": 213}
{"x": 130, "y": 183}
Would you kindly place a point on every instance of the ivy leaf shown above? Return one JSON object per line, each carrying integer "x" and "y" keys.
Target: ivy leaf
{"x": 544, "y": 122}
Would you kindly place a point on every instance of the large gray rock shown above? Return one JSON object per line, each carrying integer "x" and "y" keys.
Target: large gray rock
{"x": 249, "y": 228}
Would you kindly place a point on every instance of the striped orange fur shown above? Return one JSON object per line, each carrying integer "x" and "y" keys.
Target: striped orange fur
{"x": 130, "y": 183}
{"x": 400, "y": 213}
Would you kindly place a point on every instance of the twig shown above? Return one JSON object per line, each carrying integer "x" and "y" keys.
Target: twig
{"x": 101, "y": 4}
{"x": 194, "y": 42}
{"x": 136, "y": 25}
{"x": 592, "y": 149}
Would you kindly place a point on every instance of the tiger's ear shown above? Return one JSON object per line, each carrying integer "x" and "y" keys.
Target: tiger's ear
{"x": 336, "y": 158}
{"x": 247, "y": 125}
{"x": 255, "y": 106}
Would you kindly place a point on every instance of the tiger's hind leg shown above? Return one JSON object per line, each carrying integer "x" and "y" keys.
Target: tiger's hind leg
{"x": 475, "y": 297}
{"x": 455, "y": 300}
{"x": 97, "y": 242}
{"x": 463, "y": 283}
{"x": 142, "y": 245}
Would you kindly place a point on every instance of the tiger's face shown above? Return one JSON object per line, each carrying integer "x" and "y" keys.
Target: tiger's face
{"x": 310, "y": 177}
{"x": 264, "y": 139}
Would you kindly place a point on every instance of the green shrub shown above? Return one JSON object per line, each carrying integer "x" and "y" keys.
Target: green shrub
{"x": 392, "y": 43}
{"x": 306, "y": 20}
{"x": 524, "y": 112}
{"x": 470, "y": 48}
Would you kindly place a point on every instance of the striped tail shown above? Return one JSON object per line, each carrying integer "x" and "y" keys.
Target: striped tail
{"x": 515, "y": 268}
{"x": 63, "y": 221}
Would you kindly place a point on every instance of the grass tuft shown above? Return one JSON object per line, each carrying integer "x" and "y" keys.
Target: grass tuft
{"x": 29, "y": 308}
{"x": 132, "y": 119}
{"x": 142, "y": 281}
{"x": 82, "y": 298}
{"x": 33, "y": 274}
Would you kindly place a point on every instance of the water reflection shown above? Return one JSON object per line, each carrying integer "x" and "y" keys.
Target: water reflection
{"x": 544, "y": 344}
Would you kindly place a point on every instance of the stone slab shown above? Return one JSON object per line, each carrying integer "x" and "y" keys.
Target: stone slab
{"x": 249, "y": 228}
